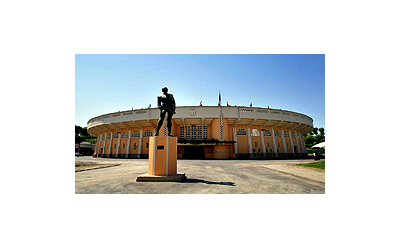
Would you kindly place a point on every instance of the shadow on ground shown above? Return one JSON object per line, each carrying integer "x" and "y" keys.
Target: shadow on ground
{"x": 188, "y": 180}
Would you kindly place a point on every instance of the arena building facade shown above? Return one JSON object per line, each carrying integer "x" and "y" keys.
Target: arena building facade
{"x": 219, "y": 132}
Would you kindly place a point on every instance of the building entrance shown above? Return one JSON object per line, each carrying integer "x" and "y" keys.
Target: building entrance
{"x": 193, "y": 152}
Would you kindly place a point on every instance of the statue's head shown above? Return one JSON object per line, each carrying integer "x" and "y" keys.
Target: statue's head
{"x": 164, "y": 89}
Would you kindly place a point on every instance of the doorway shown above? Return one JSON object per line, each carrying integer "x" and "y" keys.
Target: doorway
{"x": 193, "y": 152}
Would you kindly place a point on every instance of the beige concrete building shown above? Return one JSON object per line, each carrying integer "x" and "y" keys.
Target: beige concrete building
{"x": 205, "y": 132}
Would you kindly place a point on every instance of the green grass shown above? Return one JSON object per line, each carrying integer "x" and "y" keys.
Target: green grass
{"x": 76, "y": 164}
{"x": 318, "y": 165}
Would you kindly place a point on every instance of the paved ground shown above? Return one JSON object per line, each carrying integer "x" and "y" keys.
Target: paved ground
{"x": 204, "y": 177}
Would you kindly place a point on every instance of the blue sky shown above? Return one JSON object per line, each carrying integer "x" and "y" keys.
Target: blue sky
{"x": 111, "y": 83}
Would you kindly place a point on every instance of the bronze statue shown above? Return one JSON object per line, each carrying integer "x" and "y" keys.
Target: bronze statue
{"x": 166, "y": 104}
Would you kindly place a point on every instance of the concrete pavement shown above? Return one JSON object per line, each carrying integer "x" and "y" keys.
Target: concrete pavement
{"x": 204, "y": 177}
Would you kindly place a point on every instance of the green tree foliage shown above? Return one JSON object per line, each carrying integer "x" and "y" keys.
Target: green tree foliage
{"x": 322, "y": 131}
{"x": 314, "y": 138}
{"x": 310, "y": 140}
{"x": 81, "y": 135}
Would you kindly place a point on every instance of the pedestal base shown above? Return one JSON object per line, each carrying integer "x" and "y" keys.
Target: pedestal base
{"x": 163, "y": 156}
{"x": 153, "y": 178}
{"x": 162, "y": 161}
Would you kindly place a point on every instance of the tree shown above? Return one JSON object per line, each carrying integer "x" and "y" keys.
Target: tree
{"x": 320, "y": 138}
{"x": 310, "y": 140}
{"x": 85, "y": 133}
{"x": 322, "y": 131}
{"x": 78, "y": 130}
{"x": 81, "y": 134}
{"x": 314, "y": 138}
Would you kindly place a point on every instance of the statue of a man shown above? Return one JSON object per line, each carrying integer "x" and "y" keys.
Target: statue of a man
{"x": 166, "y": 104}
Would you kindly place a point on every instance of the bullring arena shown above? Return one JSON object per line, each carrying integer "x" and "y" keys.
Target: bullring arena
{"x": 219, "y": 132}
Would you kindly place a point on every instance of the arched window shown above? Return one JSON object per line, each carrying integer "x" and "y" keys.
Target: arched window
{"x": 255, "y": 133}
{"x": 124, "y": 134}
{"x": 205, "y": 134}
{"x": 135, "y": 134}
{"x": 116, "y": 135}
{"x": 277, "y": 134}
{"x": 187, "y": 132}
{"x": 199, "y": 135}
{"x": 147, "y": 133}
{"x": 193, "y": 132}
{"x": 181, "y": 132}
{"x": 241, "y": 132}
{"x": 267, "y": 133}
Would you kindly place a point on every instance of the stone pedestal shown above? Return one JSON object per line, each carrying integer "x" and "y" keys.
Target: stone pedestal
{"x": 162, "y": 160}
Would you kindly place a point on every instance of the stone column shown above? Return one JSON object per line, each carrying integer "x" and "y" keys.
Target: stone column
{"x": 249, "y": 140}
{"x": 128, "y": 144}
{"x": 304, "y": 144}
{"x": 263, "y": 143}
{"x": 291, "y": 140}
{"x": 110, "y": 146}
{"x": 104, "y": 144}
{"x": 98, "y": 146}
{"x": 235, "y": 139}
{"x": 140, "y": 142}
{"x": 297, "y": 142}
{"x": 273, "y": 140}
{"x": 96, "y": 149}
{"x": 301, "y": 143}
{"x": 284, "y": 141}
{"x": 119, "y": 143}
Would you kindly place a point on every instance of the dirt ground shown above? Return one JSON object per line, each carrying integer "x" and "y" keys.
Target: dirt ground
{"x": 290, "y": 167}
{"x": 82, "y": 166}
